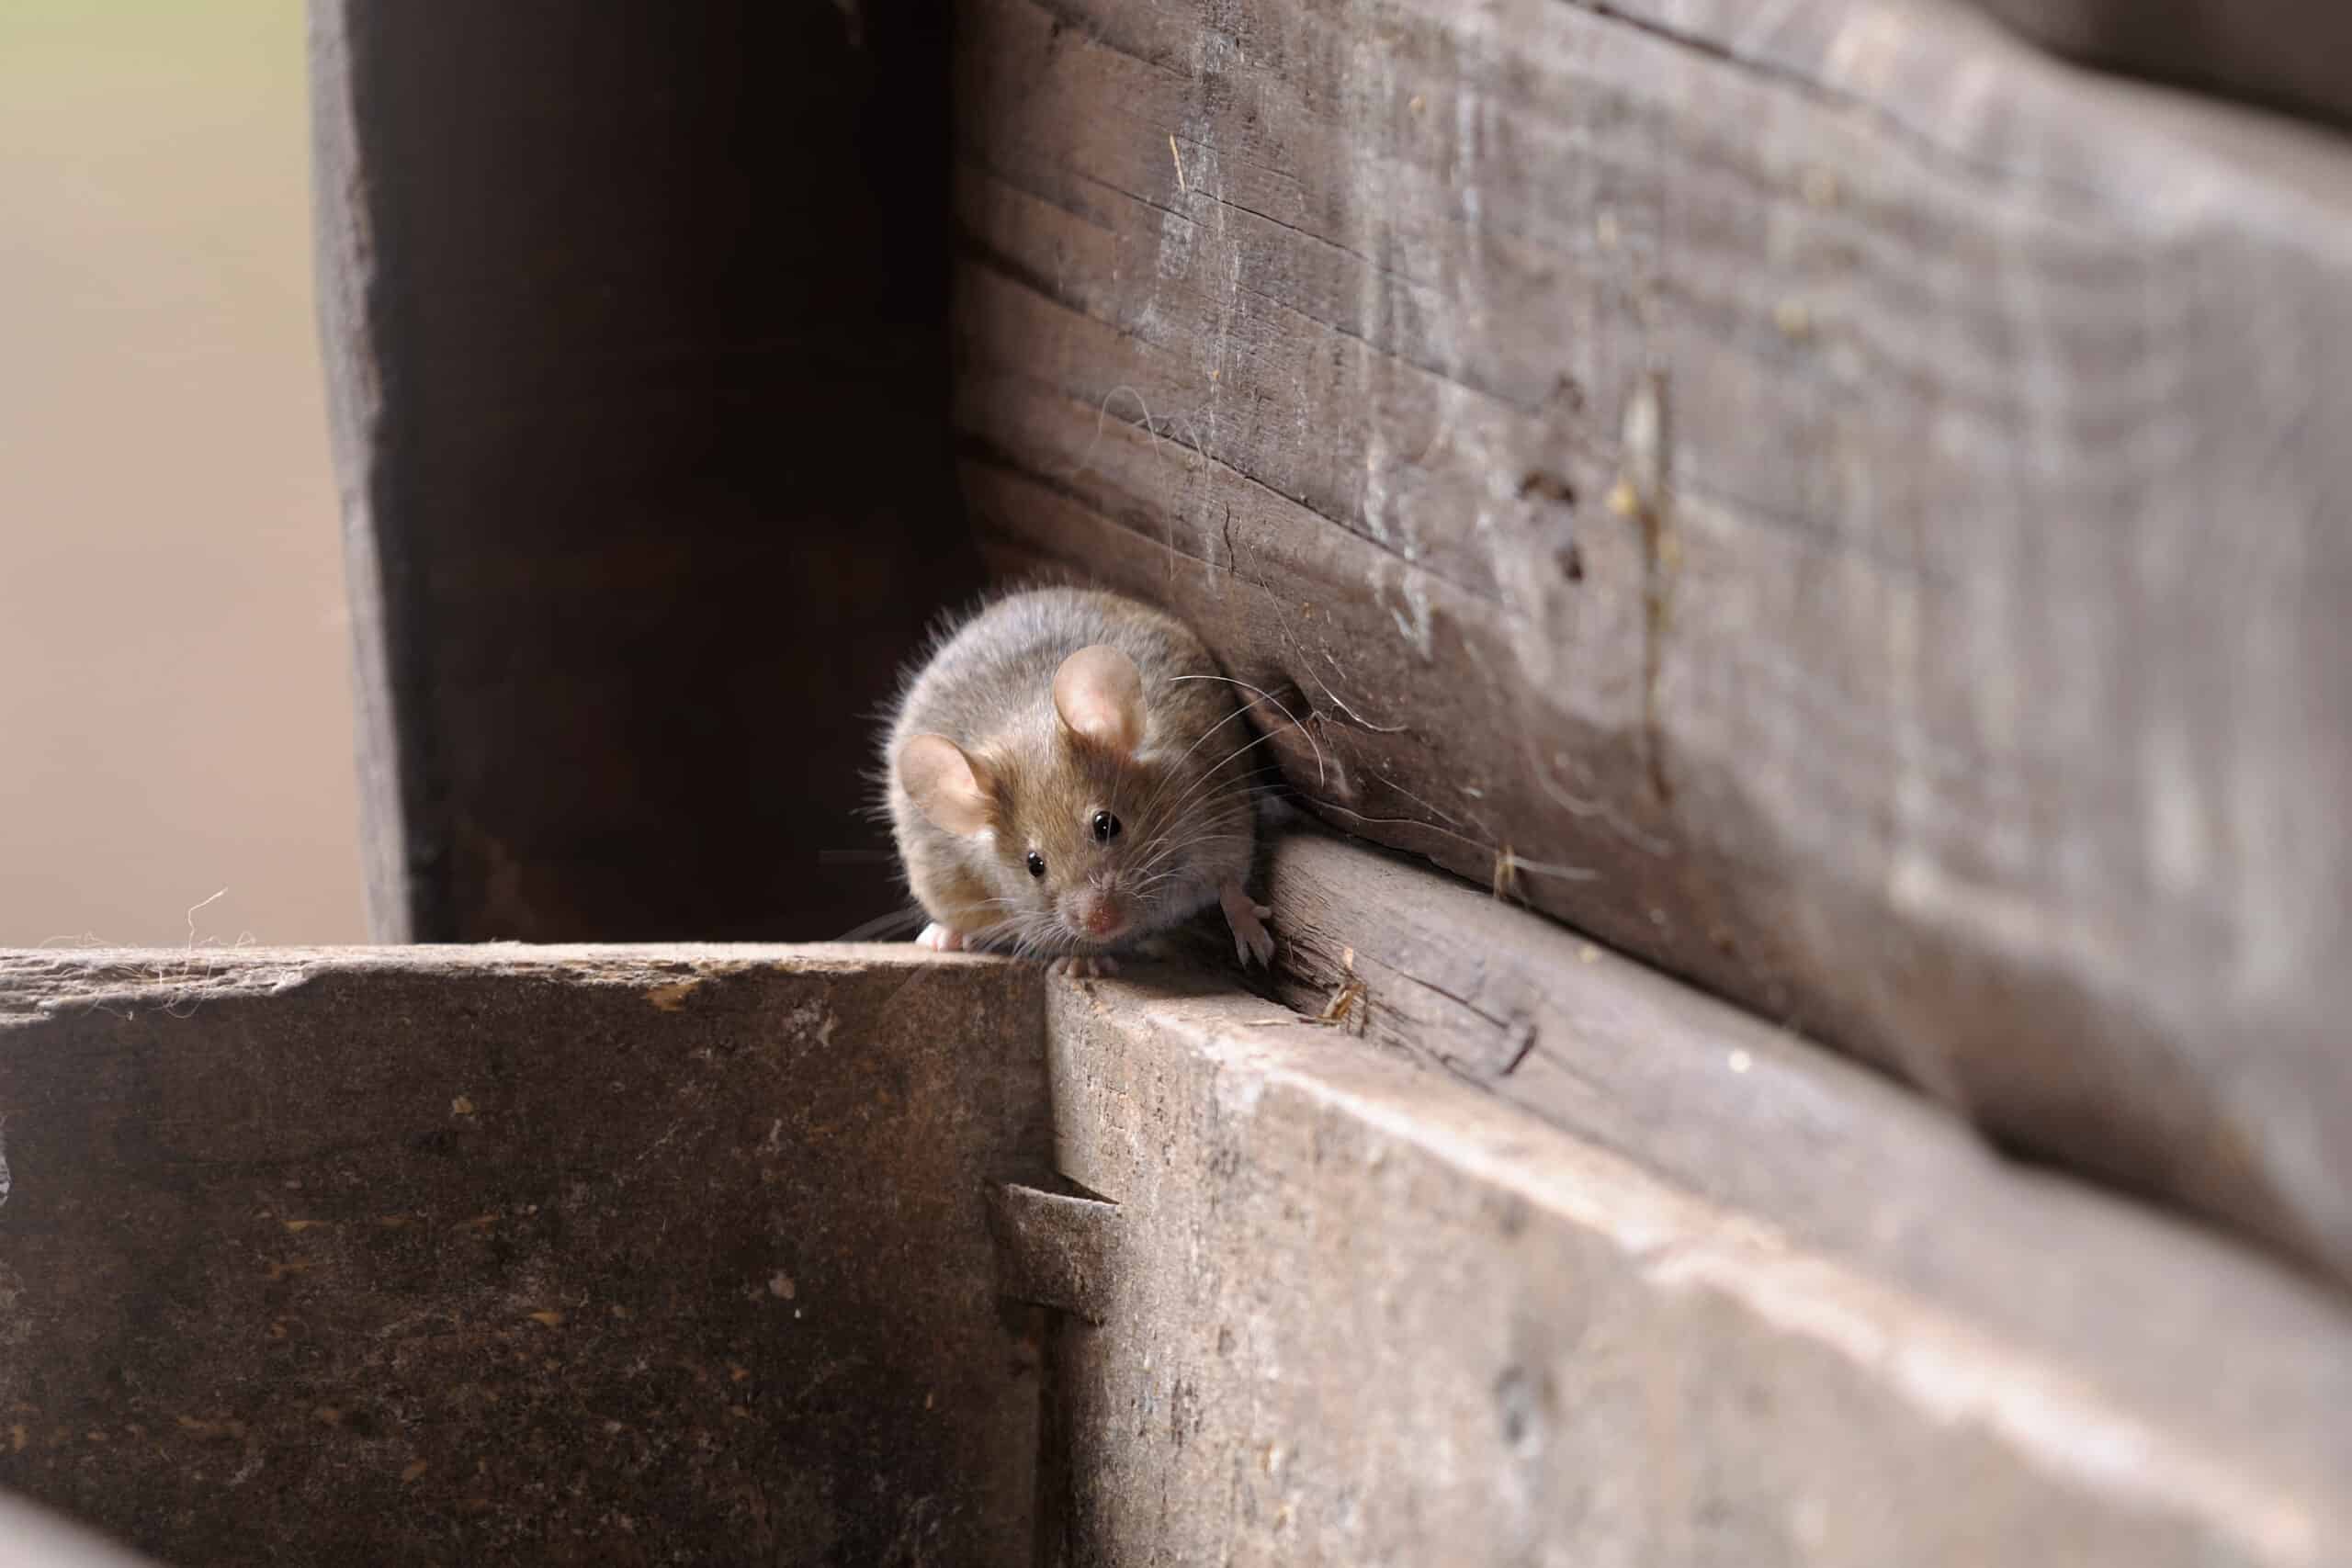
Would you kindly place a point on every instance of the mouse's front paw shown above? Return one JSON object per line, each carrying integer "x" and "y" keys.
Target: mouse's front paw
{"x": 1083, "y": 967}
{"x": 1251, "y": 936}
{"x": 939, "y": 938}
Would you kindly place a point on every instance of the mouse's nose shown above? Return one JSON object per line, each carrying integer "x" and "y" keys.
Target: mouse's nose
{"x": 1099, "y": 916}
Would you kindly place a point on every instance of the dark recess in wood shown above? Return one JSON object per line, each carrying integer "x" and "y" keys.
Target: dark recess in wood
{"x": 634, "y": 327}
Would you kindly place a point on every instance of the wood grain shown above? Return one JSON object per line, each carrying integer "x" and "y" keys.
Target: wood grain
{"x": 1713, "y": 1099}
{"x": 1361, "y": 1313}
{"x": 1836, "y": 505}
{"x": 494, "y": 1253}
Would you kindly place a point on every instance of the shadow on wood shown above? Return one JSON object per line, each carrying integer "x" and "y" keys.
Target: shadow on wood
{"x": 634, "y": 321}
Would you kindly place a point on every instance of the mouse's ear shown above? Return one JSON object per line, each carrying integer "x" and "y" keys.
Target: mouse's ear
{"x": 1099, "y": 692}
{"x": 949, "y": 786}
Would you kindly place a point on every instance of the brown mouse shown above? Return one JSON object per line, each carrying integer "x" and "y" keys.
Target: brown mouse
{"x": 1066, "y": 780}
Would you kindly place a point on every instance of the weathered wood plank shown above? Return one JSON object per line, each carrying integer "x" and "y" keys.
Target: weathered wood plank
{"x": 635, "y": 326}
{"x": 1714, "y": 1100}
{"x": 1348, "y": 1311}
{"x": 1368, "y": 1315}
{"x": 1843, "y": 508}
{"x": 592, "y": 1255}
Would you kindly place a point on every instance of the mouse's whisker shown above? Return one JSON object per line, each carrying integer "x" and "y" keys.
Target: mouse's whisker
{"x": 1159, "y": 864}
{"x": 1183, "y": 846}
{"x": 1203, "y": 829}
{"x": 1240, "y": 784}
{"x": 900, "y": 920}
{"x": 1222, "y": 812}
{"x": 1269, "y": 696}
{"x": 1211, "y": 780}
{"x": 1208, "y": 782}
{"x": 1150, "y": 885}
{"x": 1176, "y": 769}
{"x": 1241, "y": 712}
{"x": 1214, "y": 772}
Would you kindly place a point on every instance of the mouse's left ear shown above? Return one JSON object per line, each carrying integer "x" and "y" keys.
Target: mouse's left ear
{"x": 1099, "y": 694}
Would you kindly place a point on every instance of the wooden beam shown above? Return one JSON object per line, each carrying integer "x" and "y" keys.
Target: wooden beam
{"x": 1371, "y": 1314}
{"x": 647, "y": 1251}
{"x": 1710, "y": 1099}
{"x": 621, "y": 1256}
{"x": 1845, "y": 510}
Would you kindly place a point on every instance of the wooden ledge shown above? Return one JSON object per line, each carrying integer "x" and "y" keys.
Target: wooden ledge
{"x": 607, "y": 1255}
{"x": 507, "y": 1245}
{"x": 1370, "y": 1311}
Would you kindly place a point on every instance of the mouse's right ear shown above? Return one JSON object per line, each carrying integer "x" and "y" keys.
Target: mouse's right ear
{"x": 948, "y": 786}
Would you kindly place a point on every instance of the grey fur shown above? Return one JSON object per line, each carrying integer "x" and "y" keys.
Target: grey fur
{"x": 1184, "y": 798}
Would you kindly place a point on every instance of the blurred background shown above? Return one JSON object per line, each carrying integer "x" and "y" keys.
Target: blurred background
{"x": 175, "y": 711}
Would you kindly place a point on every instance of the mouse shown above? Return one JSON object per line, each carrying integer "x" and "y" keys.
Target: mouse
{"x": 1065, "y": 779}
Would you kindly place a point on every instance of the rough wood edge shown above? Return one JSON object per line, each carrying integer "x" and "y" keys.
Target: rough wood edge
{"x": 36, "y": 982}
{"x": 346, "y": 262}
{"x": 1466, "y": 983}
{"x": 1172, "y": 1099}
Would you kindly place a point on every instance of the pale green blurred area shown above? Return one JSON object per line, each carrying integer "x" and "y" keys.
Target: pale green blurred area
{"x": 174, "y": 713}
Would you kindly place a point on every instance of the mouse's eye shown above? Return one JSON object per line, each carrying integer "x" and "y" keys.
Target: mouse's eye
{"x": 1036, "y": 863}
{"x": 1106, "y": 827}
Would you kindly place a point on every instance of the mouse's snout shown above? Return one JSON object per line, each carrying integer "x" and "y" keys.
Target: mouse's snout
{"x": 1097, "y": 914}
